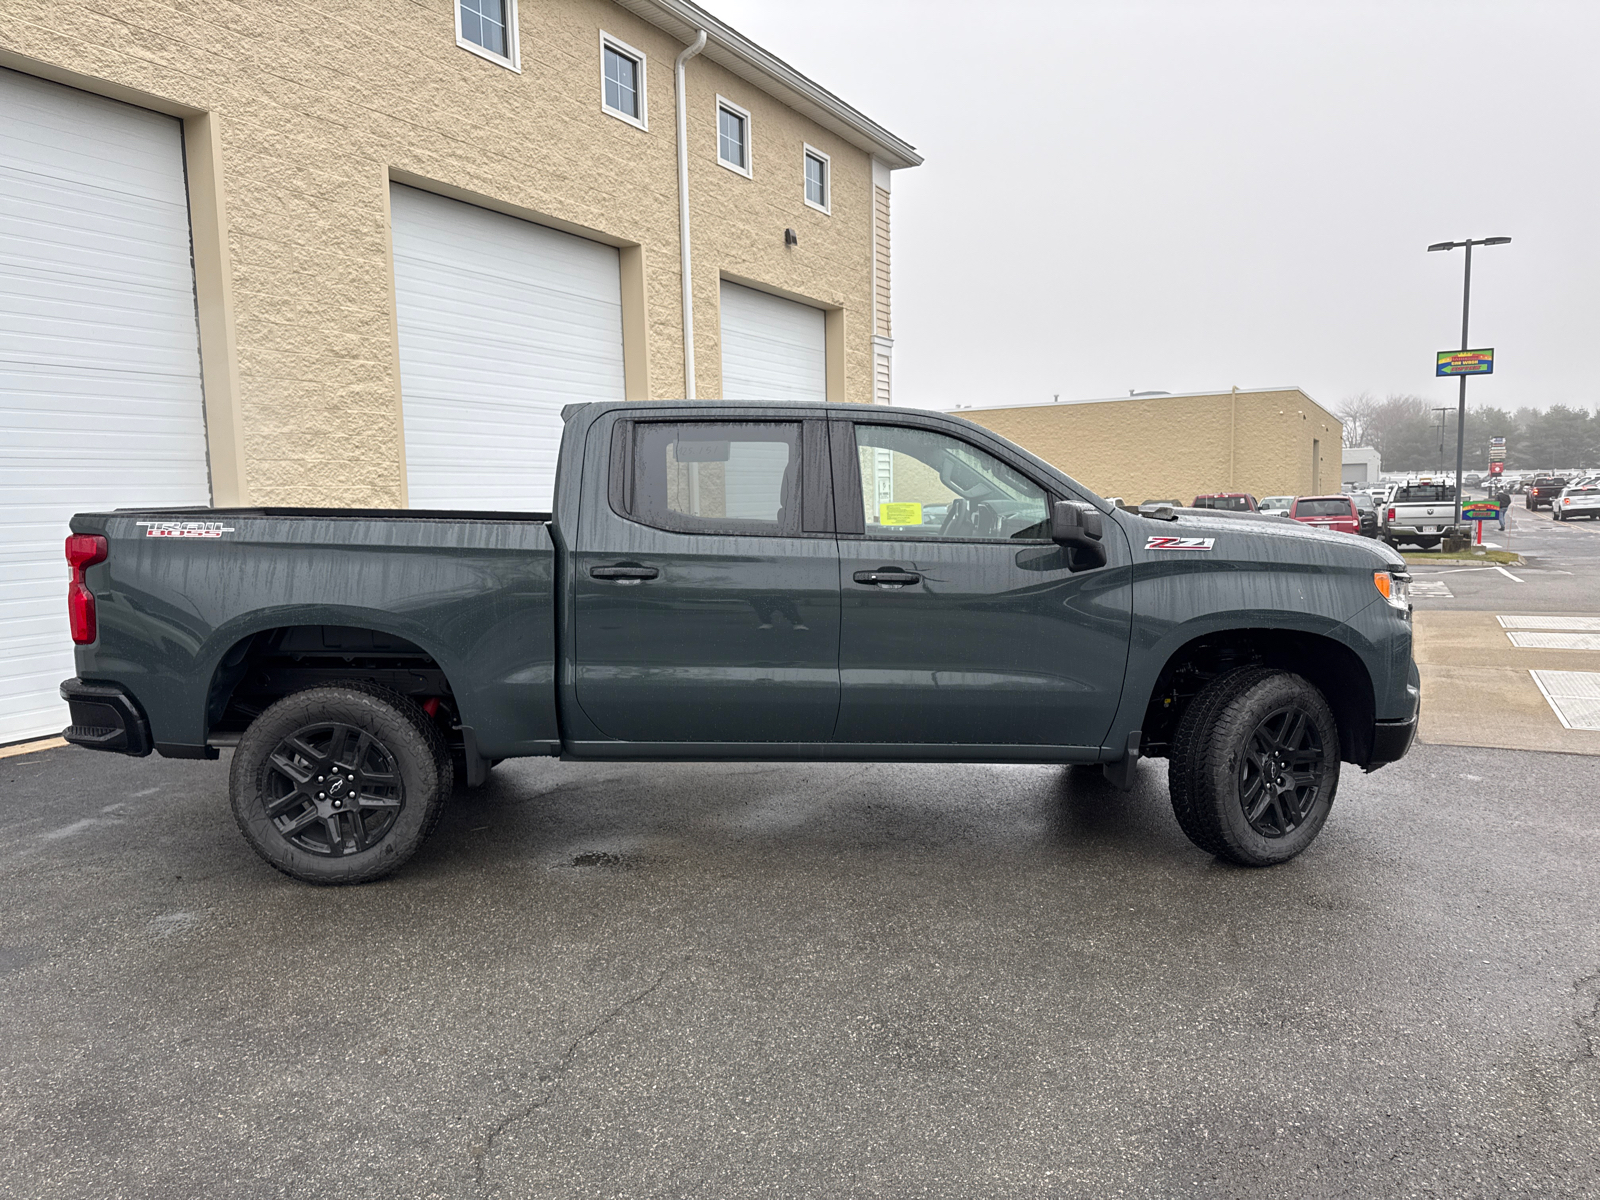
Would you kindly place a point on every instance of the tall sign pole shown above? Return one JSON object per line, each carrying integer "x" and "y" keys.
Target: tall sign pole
{"x": 1467, "y": 362}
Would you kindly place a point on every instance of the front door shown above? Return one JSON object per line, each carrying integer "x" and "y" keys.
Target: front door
{"x": 707, "y": 585}
{"x": 960, "y": 621}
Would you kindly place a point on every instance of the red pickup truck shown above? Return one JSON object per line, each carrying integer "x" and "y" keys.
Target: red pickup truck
{"x": 1337, "y": 513}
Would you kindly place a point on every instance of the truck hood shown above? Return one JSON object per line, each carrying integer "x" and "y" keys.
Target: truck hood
{"x": 1251, "y": 537}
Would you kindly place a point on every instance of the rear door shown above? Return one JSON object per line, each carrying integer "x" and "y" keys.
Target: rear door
{"x": 707, "y": 584}
{"x": 960, "y": 621}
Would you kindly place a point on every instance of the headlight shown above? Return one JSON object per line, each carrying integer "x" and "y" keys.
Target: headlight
{"x": 1395, "y": 587}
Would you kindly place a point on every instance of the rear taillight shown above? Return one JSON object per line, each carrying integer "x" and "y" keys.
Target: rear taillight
{"x": 83, "y": 551}
{"x": 1390, "y": 517}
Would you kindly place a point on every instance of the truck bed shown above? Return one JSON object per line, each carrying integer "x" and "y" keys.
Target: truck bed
{"x": 454, "y": 606}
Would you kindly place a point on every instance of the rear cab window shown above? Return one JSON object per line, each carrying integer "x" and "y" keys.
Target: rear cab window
{"x": 721, "y": 477}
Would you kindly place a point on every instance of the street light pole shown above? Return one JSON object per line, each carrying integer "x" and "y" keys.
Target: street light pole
{"x": 1466, "y": 312}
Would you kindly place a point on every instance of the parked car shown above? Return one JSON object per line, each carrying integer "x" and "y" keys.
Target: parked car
{"x": 1227, "y": 502}
{"x": 715, "y": 583}
{"x": 1580, "y": 501}
{"x": 1276, "y": 506}
{"x": 1367, "y": 510}
{"x": 1422, "y": 514}
{"x": 1544, "y": 491}
{"x": 1336, "y": 514}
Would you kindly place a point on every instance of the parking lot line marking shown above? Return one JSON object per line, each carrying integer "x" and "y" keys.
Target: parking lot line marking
{"x": 31, "y": 747}
{"x": 1432, "y": 590}
{"x": 1574, "y": 695}
{"x": 1538, "y": 622}
{"x": 1542, "y": 639}
{"x": 1508, "y": 575}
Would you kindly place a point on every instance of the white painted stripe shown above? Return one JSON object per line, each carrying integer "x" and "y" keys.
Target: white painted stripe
{"x": 1545, "y": 622}
{"x": 1544, "y": 640}
{"x": 1574, "y": 695}
{"x": 1508, "y": 575}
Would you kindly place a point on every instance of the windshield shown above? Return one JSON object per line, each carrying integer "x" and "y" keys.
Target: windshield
{"x": 1277, "y": 502}
{"x": 1229, "y": 503}
{"x": 1322, "y": 508}
{"x": 1425, "y": 493}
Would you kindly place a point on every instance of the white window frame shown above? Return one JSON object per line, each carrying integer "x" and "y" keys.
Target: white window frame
{"x": 748, "y": 170}
{"x": 826, "y": 207}
{"x": 642, "y": 121}
{"x": 511, "y": 63}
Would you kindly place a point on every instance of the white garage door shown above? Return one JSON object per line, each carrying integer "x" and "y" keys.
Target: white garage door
{"x": 100, "y": 403}
{"x": 772, "y": 348}
{"x": 502, "y": 322}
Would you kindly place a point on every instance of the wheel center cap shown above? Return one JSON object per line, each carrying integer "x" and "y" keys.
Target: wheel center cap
{"x": 336, "y": 788}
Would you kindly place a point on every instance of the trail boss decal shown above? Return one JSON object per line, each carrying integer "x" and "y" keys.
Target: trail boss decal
{"x": 185, "y": 529}
{"x": 1178, "y": 543}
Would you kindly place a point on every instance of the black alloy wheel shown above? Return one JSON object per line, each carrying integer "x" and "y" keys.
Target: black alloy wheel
{"x": 333, "y": 790}
{"x": 1254, "y": 766}
{"x": 340, "y": 783}
{"x": 1281, "y": 772}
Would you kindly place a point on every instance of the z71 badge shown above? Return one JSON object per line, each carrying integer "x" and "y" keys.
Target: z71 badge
{"x": 1178, "y": 543}
{"x": 185, "y": 529}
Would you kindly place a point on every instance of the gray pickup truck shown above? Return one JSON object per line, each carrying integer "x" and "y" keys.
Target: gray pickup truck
{"x": 724, "y": 581}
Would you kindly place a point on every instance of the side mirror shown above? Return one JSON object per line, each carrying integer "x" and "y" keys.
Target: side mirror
{"x": 1079, "y": 527}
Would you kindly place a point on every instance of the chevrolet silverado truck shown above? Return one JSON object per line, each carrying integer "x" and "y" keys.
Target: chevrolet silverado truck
{"x": 751, "y": 582}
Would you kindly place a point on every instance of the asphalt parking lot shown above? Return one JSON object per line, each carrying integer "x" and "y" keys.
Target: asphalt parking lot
{"x": 817, "y": 981}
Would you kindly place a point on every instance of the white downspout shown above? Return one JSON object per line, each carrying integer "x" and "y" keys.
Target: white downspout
{"x": 689, "y": 52}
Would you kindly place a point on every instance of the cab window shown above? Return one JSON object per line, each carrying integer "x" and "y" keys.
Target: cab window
{"x": 717, "y": 477}
{"x": 918, "y": 483}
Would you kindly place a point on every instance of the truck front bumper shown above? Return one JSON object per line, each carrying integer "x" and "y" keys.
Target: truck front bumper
{"x": 105, "y": 717}
{"x": 1391, "y": 740}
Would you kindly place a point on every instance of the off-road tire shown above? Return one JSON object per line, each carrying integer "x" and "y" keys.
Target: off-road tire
{"x": 1205, "y": 765}
{"x": 405, "y": 739}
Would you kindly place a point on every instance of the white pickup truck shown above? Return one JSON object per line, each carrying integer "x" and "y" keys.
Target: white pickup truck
{"x": 1421, "y": 514}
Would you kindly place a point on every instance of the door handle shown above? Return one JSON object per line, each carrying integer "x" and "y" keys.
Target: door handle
{"x": 887, "y": 578}
{"x": 628, "y": 574}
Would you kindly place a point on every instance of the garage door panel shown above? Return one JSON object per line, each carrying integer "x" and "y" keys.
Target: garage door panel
{"x": 772, "y": 348}
{"x": 502, "y": 324}
{"x": 100, "y": 398}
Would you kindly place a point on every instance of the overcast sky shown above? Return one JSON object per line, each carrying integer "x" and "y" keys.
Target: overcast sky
{"x": 1187, "y": 196}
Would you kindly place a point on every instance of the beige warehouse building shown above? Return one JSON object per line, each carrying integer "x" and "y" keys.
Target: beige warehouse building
{"x": 1268, "y": 442}
{"x": 290, "y": 253}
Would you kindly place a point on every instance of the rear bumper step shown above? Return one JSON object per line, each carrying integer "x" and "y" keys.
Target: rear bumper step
{"x": 105, "y": 717}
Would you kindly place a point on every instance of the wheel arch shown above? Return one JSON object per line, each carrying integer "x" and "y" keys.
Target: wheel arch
{"x": 276, "y": 654}
{"x": 1325, "y": 662}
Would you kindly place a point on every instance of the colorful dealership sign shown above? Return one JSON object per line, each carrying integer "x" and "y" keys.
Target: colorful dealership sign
{"x": 1464, "y": 362}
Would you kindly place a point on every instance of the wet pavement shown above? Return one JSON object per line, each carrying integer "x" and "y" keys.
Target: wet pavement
{"x": 805, "y": 981}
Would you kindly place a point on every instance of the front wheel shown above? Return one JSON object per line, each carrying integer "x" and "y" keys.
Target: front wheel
{"x": 339, "y": 784}
{"x": 1254, "y": 766}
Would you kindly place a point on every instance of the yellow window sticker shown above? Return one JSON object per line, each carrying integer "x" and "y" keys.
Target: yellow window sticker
{"x": 900, "y": 514}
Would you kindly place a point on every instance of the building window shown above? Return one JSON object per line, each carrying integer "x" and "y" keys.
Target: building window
{"x": 622, "y": 88}
{"x": 733, "y": 136}
{"x": 488, "y": 28}
{"x": 818, "y": 185}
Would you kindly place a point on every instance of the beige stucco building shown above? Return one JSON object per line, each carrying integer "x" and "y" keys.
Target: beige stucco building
{"x": 303, "y": 129}
{"x": 1268, "y": 442}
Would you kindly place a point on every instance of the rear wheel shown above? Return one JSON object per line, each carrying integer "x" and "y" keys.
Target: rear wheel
{"x": 339, "y": 784}
{"x": 1254, "y": 766}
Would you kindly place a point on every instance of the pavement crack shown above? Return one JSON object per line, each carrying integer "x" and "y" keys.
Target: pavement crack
{"x": 557, "y": 1078}
{"x": 1589, "y": 1023}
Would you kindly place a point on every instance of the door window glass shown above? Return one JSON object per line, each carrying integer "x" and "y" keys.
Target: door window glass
{"x": 722, "y": 477}
{"x": 917, "y": 483}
